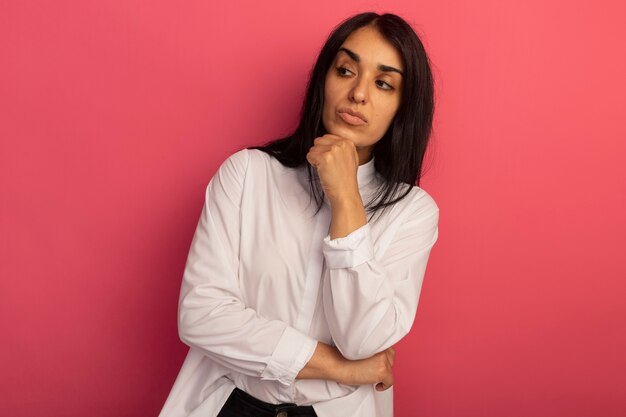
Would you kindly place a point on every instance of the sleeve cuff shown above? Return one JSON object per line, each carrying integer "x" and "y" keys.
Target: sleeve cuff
{"x": 349, "y": 251}
{"x": 293, "y": 352}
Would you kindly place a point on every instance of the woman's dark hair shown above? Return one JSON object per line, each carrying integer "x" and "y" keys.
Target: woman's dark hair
{"x": 400, "y": 152}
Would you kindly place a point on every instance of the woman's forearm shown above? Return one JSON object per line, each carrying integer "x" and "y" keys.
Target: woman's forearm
{"x": 327, "y": 363}
{"x": 347, "y": 215}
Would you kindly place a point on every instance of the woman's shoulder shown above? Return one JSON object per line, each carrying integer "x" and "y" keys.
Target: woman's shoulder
{"x": 246, "y": 158}
{"x": 248, "y": 155}
{"x": 235, "y": 165}
{"x": 417, "y": 202}
{"x": 418, "y": 211}
{"x": 246, "y": 162}
{"x": 422, "y": 200}
{"x": 261, "y": 161}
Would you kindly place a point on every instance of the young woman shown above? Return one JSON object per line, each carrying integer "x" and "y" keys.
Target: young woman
{"x": 292, "y": 298}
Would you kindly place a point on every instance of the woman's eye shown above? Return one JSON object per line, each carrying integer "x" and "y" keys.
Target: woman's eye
{"x": 342, "y": 71}
{"x": 384, "y": 85}
{"x": 345, "y": 72}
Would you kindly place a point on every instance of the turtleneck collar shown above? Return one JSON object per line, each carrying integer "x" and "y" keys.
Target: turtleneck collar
{"x": 366, "y": 172}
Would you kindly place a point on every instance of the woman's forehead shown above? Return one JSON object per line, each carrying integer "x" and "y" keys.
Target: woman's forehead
{"x": 366, "y": 45}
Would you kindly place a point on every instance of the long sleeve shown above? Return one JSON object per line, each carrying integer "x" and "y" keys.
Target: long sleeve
{"x": 212, "y": 316}
{"x": 370, "y": 303}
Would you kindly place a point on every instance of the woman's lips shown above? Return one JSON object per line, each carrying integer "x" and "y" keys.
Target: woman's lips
{"x": 351, "y": 120}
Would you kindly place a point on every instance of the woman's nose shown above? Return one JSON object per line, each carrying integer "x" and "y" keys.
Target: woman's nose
{"x": 359, "y": 91}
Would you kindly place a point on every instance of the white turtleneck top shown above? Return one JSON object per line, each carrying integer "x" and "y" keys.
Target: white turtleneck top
{"x": 264, "y": 282}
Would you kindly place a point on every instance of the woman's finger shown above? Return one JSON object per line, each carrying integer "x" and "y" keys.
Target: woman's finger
{"x": 386, "y": 383}
{"x": 320, "y": 148}
{"x": 327, "y": 139}
{"x": 315, "y": 154}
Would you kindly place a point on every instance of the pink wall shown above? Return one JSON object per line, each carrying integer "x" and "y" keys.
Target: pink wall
{"x": 115, "y": 114}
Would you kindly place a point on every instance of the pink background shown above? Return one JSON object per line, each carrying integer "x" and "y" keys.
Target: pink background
{"x": 115, "y": 114}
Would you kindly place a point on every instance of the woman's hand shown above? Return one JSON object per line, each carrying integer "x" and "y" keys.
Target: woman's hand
{"x": 374, "y": 370}
{"x": 337, "y": 161}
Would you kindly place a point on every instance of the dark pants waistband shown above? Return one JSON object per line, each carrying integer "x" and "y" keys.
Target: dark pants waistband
{"x": 240, "y": 404}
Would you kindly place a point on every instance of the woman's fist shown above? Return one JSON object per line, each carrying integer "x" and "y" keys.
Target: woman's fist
{"x": 337, "y": 162}
{"x": 374, "y": 370}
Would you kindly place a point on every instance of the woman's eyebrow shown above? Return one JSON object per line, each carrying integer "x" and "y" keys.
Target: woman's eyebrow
{"x": 355, "y": 57}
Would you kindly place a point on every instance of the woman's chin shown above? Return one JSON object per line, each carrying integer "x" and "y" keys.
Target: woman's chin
{"x": 346, "y": 132}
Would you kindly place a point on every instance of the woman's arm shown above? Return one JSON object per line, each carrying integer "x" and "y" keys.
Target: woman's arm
{"x": 369, "y": 303}
{"x": 212, "y": 316}
{"x": 327, "y": 363}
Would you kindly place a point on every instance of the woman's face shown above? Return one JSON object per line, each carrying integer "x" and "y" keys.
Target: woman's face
{"x": 365, "y": 77}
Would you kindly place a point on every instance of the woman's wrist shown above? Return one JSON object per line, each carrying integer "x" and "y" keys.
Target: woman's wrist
{"x": 326, "y": 363}
{"x": 346, "y": 216}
